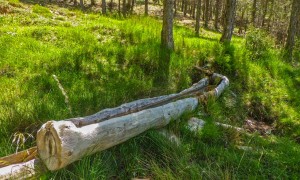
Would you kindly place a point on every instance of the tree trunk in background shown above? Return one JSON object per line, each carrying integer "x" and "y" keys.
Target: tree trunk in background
{"x": 198, "y": 14}
{"x": 167, "y": 44}
{"x": 217, "y": 14}
{"x": 119, "y": 8}
{"x": 132, "y": 6}
{"x": 81, "y": 4}
{"x": 185, "y": 7}
{"x": 92, "y": 2}
{"x": 146, "y": 7}
{"x": 290, "y": 42}
{"x": 271, "y": 18}
{"x": 206, "y": 17}
{"x": 175, "y": 7}
{"x": 210, "y": 10}
{"x": 253, "y": 12}
{"x": 265, "y": 10}
{"x": 203, "y": 10}
{"x": 124, "y": 8}
{"x": 167, "y": 27}
{"x": 193, "y": 9}
{"x": 103, "y": 6}
{"x": 229, "y": 20}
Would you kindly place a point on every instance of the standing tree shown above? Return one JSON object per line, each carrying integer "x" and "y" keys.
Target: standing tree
{"x": 290, "y": 42}
{"x": 103, "y": 7}
{"x": 81, "y": 4}
{"x": 146, "y": 7}
{"x": 229, "y": 20}
{"x": 265, "y": 10}
{"x": 253, "y": 12}
{"x": 217, "y": 14}
{"x": 198, "y": 14}
{"x": 167, "y": 44}
{"x": 124, "y": 8}
{"x": 206, "y": 13}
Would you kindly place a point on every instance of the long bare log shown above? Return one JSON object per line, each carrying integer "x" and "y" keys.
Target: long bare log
{"x": 60, "y": 143}
{"x": 138, "y": 105}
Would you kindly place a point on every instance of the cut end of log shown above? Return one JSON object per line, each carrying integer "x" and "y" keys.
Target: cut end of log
{"x": 49, "y": 143}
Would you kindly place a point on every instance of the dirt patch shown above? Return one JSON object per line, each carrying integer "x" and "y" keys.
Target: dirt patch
{"x": 262, "y": 128}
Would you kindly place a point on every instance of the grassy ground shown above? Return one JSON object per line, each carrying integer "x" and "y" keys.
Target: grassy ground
{"x": 105, "y": 61}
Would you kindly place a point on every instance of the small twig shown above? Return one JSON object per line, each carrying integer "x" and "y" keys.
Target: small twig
{"x": 64, "y": 94}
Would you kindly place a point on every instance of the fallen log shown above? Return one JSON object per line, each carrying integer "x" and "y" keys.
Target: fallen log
{"x": 139, "y": 105}
{"x": 60, "y": 143}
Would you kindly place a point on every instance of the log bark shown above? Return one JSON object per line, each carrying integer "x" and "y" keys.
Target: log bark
{"x": 21, "y": 170}
{"x": 60, "y": 143}
{"x": 138, "y": 105}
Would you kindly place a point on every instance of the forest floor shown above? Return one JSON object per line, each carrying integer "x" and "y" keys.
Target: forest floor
{"x": 104, "y": 61}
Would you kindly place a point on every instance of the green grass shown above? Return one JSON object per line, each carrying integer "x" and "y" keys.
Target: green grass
{"x": 103, "y": 62}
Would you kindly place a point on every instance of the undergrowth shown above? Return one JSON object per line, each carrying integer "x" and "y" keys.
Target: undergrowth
{"x": 103, "y": 62}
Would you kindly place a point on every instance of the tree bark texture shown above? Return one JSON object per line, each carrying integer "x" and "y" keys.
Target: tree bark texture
{"x": 290, "y": 42}
{"x": 217, "y": 14}
{"x": 229, "y": 20}
{"x": 198, "y": 14}
{"x": 253, "y": 13}
{"x": 103, "y": 6}
{"x": 265, "y": 10}
{"x": 146, "y": 7}
{"x": 167, "y": 40}
{"x": 206, "y": 13}
{"x": 60, "y": 143}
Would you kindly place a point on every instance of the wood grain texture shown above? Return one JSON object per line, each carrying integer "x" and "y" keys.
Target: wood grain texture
{"x": 61, "y": 142}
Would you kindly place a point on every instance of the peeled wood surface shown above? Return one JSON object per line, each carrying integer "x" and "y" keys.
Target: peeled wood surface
{"x": 21, "y": 170}
{"x": 138, "y": 105}
{"x": 64, "y": 142}
{"x": 18, "y": 157}
{"x": 61, "y": 142}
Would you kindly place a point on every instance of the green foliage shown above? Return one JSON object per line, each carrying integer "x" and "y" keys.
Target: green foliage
{"x": 258, "y": 44}
{"x": 224, "y": 57}
{"x": 42, "y": 11}
{"x": 103, "y": 62}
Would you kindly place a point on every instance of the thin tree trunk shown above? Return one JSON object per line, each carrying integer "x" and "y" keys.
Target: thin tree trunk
{"x": 217, "y": 14}
{"x": 185, "y": 7}
{"x": 103, "y": 6}
{"x": 253, "y": 12}
{"x": 119, "y": 8}
{"x": 132, "y": 5}
{"x": 175, "y": 7}
{"x": 290, "y": 42}
{"x": 265, "y": 10}
{"x": 193, "y": 9}
{"x": 81, "y": 4}
{"x": 206, "y": 13}
{"x": 198, "y": 14}
{"x": 146, "y": 7}
{"x": 93, "y": 2}
{"x": 229, "y": 21}
{"x": 271, "y": 18}
{"x": 124, "y": 8}
{"x": 167, "y": 44}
